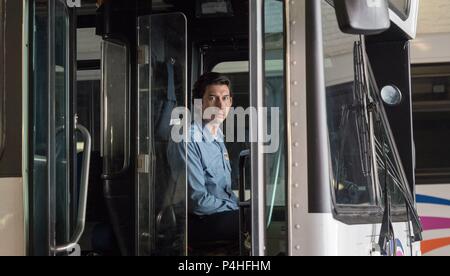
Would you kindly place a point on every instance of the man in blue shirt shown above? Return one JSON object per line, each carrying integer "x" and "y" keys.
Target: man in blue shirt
{"x": 213, "y": 207}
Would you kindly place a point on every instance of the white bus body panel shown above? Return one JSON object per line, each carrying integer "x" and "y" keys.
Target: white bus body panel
{"x": 434, "y": 209}
{"x": 12, "y": 231}
{"x": 322, "y": 235}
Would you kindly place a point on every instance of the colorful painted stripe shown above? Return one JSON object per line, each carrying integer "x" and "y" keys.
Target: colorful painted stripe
{"x": 431, "y": 245}
{"x": 432, "y": 223}
{"x": 432, "y": 200}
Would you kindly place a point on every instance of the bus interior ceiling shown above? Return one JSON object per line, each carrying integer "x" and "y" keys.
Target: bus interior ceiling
{"x": 211, "y": 40}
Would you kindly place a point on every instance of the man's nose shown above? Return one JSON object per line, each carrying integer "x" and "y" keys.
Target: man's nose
{"x": 220, "y": 103}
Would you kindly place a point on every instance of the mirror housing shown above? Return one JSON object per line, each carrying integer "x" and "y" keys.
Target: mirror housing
{"x": 363, "y": 17}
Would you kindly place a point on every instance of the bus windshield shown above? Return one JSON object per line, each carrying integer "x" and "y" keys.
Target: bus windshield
{"x": 366, "y": 165}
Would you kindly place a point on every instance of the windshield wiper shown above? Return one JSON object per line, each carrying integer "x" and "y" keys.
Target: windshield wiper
{"x": 366, "y": 92}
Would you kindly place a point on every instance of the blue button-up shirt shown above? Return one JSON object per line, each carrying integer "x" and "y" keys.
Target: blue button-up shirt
{"x": 208, "y": 171}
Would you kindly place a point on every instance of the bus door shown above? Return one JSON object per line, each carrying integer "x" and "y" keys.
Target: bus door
{"x": 162, "y": 118}
{"x": 57, "y": 201}
{"x": 162, "y": 101}
{"x": 268, "y": 128}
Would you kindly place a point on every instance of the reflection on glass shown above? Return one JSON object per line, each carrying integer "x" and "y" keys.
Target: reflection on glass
{"x": 275, "y": 97}
{"x": 401, "y": 7}
{"x": 351, "y": 170}
{"x": 115, "y": 89}
{"x": 353, "y": 183}
{"x": 432, "y": 136}
{"x": 431, "y": 106}
{"x": 162, "y": 87}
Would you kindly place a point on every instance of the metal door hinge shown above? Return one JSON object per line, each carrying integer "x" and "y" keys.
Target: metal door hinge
{"x": 143, "y": 55}
{"x": 143, "y": 164}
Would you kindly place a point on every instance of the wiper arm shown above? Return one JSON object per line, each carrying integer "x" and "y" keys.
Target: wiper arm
{"x": 401, "y": 184}
{"x": 373, "y": 106}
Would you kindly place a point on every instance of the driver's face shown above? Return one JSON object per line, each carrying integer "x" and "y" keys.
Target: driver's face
{"x": 218, "y": 96}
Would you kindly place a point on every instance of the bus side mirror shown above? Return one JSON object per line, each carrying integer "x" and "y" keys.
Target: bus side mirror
{"x": 391, "y": 95}
{"x": 362, "y": 17}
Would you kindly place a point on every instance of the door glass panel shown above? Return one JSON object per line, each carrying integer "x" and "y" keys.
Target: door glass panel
{"x": 61, "y": 123}
{"x": 275, "y": 101}
{"x": 39, "y": 217}
{"x": 162, "y": 88}
{"x": 115, "y": 109}
{"x": 50, "y": 223}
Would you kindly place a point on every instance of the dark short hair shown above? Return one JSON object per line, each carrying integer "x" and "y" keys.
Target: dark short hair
{"x": 208, "y": 79}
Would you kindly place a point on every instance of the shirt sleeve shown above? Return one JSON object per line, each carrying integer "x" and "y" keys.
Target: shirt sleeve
{"x": 201, "y": 202}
